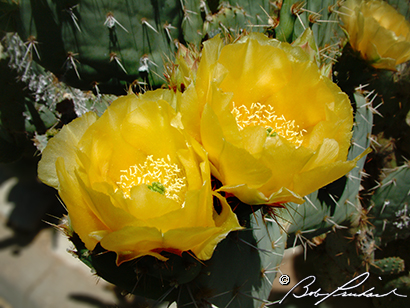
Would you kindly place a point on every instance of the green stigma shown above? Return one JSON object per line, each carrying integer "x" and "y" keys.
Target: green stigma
{"x": 269, "y": 132}
{"x": 157, "y": 187}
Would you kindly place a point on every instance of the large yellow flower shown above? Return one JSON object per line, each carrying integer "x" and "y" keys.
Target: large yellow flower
{"x": 377, "y": 31}
{"x": 274, "y": 127}
{"x": 134, "y": 181}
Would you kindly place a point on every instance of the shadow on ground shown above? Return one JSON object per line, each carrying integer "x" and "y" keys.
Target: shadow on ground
{"x": 32, "y": 205}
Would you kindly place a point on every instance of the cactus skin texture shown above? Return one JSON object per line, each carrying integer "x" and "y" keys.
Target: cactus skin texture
{"x": 86, "y": 42}
{"x": 113, "y": 44}
{"x": 295, "y": 16}
{"x": 235, "y": 17}
{"x": 391, "y": 211}
{"x": 388, "y": 266}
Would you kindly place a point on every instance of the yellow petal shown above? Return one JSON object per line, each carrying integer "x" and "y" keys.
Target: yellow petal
{"x": 191, "y": 111}
{"x": 241, "y": 60}
{"x": 327, "y": 154}
{"x": 161, "y": 94}
{"x": 399, "y": 51}
{"x": 325, "y": 174}
{"x": 254, "y": 196}
{"x": 254, "y": 138}
{"x": 304, "y": 97}
{"x": 377, "y": 31}
{"x": 225, "y": 222}
{"x": 284, "y": 195}
{"x": 64, "y": 144}
{"x": 221, "y": 105}
{"x": 190, "y": 165}
{"x": 133, "y": 242}
{"x": 82, "y": 219}
{"x": 245, "y": 193}
{"x": 308, "y": 182}
{"x": 210, "y": 53}
{"x": 150, "y": 121}
{"x": 285, "y": 160}
{"x": 234, "y": 164}
{"x": 197, "y": 211}
{"x": 102, "y": 161}
{"x": 238, "y": 166}
{"x": 141, "y": 200}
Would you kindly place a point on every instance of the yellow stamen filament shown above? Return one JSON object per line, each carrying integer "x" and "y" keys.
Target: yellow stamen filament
{"x": 264, "y": 115}
{"x": 162, "y": 171}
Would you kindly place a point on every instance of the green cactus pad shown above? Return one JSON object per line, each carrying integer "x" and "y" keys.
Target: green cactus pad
{"x": 322, "y": 16}
{"x": 235, "y": 17}
{"x": 110, "y": 43}
{"x": 388, "y": 266}
{"x": 391, "y": 215}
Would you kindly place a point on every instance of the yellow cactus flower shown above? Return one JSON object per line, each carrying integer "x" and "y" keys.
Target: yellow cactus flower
{"x": 275, "y": 129}
{"x": 135, "y": 182}
{"x": 377, "y": 31}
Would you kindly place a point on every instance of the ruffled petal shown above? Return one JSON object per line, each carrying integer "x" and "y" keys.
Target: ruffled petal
{"x": 241, "y": 60}
{"x": 305, "y": 182}
{"x": 64, "y": 144}
{"x": 225, "y": 222}
{"x": 82, "y": 218}
{"x": 133, "y": 242}
{"x": 148, "y": 123}
{"x": 378, "y": 32}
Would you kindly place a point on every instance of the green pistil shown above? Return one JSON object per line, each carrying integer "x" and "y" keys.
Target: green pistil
{"x": 157, "y": 187}
{"x": 269, "y": 132}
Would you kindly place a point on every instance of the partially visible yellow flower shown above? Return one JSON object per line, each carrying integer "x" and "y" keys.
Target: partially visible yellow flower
{"x": 274, "y": 127}
{"x": 377, "y": 31}
{"x": 135, "y": 182}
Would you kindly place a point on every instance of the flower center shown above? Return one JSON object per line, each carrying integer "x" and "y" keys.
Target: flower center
{"x": 265, "y": 115}
{"x": 160, "y": 175}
